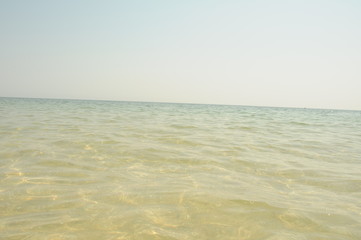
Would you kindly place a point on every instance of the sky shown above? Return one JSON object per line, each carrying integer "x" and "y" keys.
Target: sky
{"x": 284, "y": 53}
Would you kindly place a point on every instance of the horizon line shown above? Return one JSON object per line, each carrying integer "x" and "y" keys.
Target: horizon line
{"x": 191, "y": 103}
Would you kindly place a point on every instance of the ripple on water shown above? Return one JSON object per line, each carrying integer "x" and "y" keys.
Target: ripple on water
{"x": 118, "y": 170}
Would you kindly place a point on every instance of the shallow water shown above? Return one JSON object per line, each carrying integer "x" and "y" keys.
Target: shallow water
{"x": 72, "y": 169}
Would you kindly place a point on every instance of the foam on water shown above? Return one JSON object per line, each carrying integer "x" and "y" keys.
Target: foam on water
{"x": 73, "y": 169}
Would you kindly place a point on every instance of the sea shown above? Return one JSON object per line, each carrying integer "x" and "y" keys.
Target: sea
{"x": 86, "y": 169}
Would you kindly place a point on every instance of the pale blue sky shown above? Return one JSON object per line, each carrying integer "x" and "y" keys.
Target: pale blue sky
{"x": 269, "y": 53}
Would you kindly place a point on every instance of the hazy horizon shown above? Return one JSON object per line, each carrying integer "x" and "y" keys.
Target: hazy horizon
{"x": 190, "y": 103}
{"x": 260, "y": 53}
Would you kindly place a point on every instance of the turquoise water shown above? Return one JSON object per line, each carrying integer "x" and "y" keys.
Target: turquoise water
{"x": 72, "y": 169}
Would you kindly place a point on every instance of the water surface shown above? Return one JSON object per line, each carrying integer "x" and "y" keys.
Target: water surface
{"x": 72, "y": 169}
